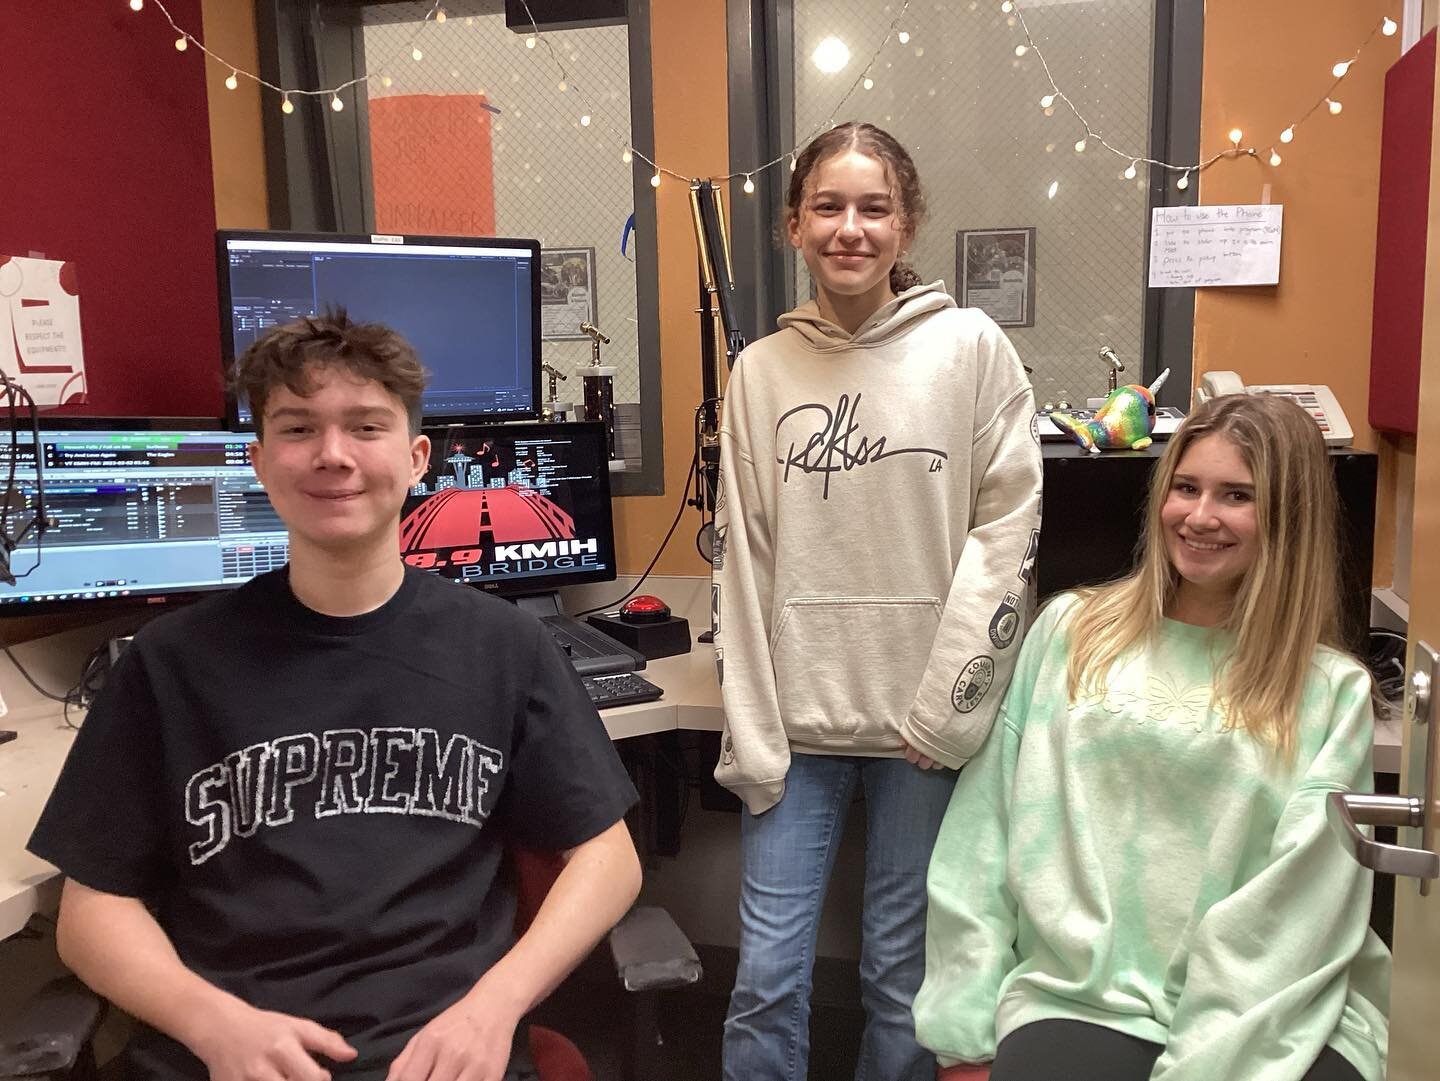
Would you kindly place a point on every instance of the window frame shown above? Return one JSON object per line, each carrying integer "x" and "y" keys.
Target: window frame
{"x": 762, "y": 111}
{"x": 318, "y": 170}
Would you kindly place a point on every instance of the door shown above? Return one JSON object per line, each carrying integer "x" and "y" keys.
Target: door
{"x": 1415, "y": 991}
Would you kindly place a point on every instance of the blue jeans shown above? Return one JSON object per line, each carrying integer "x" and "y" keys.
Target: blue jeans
{"x": 789, "y": 852}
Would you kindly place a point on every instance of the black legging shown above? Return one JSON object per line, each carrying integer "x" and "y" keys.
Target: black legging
{"x": 1077, "y": 1051}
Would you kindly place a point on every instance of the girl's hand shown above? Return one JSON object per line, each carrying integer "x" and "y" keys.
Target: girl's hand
{"x": 915, "y": 758}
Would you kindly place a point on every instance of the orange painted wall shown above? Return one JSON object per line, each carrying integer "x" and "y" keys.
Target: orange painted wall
{"x": 237, "y": 146}
{"x": 687, "y": 48}
{"x": 1265, "y": 64}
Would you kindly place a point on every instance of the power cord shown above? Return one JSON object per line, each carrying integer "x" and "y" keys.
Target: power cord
{"x": 83, "y": 693}
{"x": 20, "y": 668}
{"x": 680, "y": 513}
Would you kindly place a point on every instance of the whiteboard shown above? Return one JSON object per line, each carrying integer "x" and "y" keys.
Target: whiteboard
{"x": 1215, "y": 245}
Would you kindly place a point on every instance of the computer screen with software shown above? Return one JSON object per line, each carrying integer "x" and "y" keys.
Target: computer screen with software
{"x": 515, "y": 508}
{"x": 469, "y": 305}
{"x": 137, "y": 514}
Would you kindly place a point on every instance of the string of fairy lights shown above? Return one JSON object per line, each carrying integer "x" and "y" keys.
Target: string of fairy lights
{"x": 898, "y": 30}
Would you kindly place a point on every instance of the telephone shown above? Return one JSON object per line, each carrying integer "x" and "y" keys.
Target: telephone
{"x": 1315, "y": 399}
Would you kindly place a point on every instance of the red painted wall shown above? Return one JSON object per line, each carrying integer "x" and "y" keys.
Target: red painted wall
{"x": 1400, "y": 240}
{"x": 105, "y": 162}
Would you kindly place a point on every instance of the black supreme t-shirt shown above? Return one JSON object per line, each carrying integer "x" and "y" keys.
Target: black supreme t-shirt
{"x": 316, "y": 807}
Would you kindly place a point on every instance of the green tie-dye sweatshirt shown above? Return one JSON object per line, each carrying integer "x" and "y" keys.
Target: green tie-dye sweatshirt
{"x": 1127, "y": 861}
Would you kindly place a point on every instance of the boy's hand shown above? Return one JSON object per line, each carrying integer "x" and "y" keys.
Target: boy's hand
{"x": 471, "y": 1041}
{"x": 246, "y": 1044}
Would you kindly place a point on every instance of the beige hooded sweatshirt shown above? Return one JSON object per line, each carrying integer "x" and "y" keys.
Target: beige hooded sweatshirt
{"x": 877, "y": 520}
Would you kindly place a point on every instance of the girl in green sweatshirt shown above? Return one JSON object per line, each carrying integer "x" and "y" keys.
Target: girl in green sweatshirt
{"x": 1134, "y": 878}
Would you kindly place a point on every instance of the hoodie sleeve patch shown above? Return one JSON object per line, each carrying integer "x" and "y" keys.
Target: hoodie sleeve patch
{"x": 974, "y": 680}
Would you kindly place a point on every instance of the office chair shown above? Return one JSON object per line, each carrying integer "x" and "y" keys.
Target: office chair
{"x": 51, "y": 1038}
{"x": 650, "y": 953}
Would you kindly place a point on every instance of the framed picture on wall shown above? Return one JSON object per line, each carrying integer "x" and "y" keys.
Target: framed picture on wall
{"x": 567, "y": 292}
{"x": 996, "y": 272}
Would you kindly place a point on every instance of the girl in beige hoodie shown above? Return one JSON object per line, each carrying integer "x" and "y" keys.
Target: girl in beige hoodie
{"x": 877, "y": 520}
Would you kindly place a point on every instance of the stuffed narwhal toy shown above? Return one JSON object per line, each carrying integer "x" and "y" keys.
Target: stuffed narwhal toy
{"x": 1124, "y": 422}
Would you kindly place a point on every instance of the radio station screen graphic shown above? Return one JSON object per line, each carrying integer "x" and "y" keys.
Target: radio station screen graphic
{"x": 525, "y": 509}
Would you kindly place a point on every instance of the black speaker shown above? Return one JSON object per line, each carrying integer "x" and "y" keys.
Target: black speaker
{"x": 1095, "y": 506}
{"x": 565, "y": 14}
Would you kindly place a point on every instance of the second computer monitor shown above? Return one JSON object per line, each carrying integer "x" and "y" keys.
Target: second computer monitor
{"x": 469, "y": 305}
{"x": 516, "y": 508}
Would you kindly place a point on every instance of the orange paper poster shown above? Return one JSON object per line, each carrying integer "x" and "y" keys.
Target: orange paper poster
{"x": 40, "y": 329}
{"x": 432, "y": 165}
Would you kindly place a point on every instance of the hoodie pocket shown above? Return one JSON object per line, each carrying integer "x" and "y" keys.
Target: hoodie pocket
{"x": 847, "y": 668}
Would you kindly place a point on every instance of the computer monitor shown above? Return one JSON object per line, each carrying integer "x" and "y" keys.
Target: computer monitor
{"x": 519, "y": 508}
{"x": 469, "y": 305}
{"x": 141, "y": 510}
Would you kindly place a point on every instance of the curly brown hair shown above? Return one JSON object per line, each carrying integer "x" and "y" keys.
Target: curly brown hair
{"x": 289, "y": 355}
{"x": 879, "y": 144}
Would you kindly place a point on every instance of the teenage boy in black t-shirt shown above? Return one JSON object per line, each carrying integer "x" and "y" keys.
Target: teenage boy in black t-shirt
{"x": 282, "y": 822}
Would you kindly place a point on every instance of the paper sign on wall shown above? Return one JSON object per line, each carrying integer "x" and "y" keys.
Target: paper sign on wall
{"x": 40, "y": 329}
{"x": 1215, "y": 245}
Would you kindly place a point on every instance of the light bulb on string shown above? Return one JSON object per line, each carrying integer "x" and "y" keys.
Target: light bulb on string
{"x": 1080, "y": 145}
{"x": 1334, "y": 106}
{"x": 1021, "y": 50}
{"x": 585, "y": 121}
{"x": 1288, "y": 134}
{"x": 1131, "y": 170}
{"x": 182, "y": 43}
{"x": 655, "y": 180}
{"x": 386, "y": 81}
{"x": 1184, "y": 181}
{"x": 1235, "y": 136}
{"x": 336, "y": 103}
{"x": 136, "y": 5}
{"x": 286, "y": 105}
{"x": 416, "y": 54}
{"x": 232, "y": 81}
{"x": 1007, "y": 7}
{"x": 1274, "y": 157}
{"x": 749, "y": 186}
{"x": 1388, "y": 27}
{"x": 626, "y": 156}
{"x": 1054, "y": 187}
{"x": 1047, "y": 101}
{"x": 793, "y": 162}
{"x": 530, "y": 42}
{"x": 439, "y": 15}
{"x": 1340, "y": 69}
{"x": 869, "y": 83}
{"x": 903, "y": 37}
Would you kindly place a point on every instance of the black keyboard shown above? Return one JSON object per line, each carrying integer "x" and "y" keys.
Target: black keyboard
{"x": 589, "y": 650}
{"x": 620, "y": 689}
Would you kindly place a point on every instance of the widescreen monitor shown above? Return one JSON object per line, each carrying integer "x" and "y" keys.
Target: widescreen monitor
{"x": 518, "y": 508}
{"x": 469, "y": 305}
{"x": 140, "y": 512}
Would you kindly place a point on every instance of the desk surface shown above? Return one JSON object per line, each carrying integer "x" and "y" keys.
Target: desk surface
{"x": 29, "y": 764}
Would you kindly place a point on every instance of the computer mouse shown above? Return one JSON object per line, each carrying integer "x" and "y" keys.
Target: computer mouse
{"x": 644, "y": 609}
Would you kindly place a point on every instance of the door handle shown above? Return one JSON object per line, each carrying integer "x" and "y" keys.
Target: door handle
{"x": 1348, "y": 811}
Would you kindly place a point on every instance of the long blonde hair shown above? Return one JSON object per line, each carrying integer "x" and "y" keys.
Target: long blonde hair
{"x": 1286, "y": 604}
